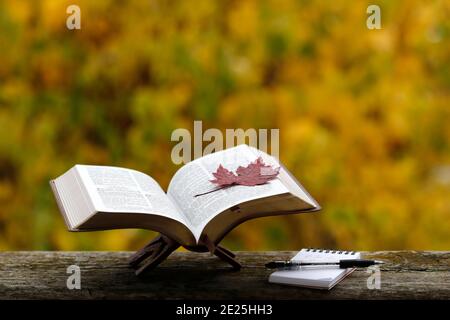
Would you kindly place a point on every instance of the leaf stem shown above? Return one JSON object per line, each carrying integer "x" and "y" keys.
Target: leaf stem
{"x": 214, "y": 190}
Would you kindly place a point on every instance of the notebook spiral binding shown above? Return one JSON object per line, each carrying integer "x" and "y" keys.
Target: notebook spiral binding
{"x": 329, "y": 251}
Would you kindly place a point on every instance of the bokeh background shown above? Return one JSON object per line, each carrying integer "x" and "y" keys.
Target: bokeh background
{"x": 364, "y": 115}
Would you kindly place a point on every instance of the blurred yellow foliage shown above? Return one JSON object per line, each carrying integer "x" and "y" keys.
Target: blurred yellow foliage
{"x": 363, "y": 114}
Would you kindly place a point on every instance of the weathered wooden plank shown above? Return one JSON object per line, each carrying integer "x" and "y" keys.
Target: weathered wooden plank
{"x": 186, "y": 275}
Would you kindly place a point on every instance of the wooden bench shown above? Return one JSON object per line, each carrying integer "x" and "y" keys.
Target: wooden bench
{"x": 187, "y": 275}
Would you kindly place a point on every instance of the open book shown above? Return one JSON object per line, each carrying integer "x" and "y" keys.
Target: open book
{"x": 100, "y": 197}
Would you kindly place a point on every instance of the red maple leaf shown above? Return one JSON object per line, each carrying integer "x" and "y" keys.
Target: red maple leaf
{"x": 256, "y": 173}
{"x": 223, "y": 176}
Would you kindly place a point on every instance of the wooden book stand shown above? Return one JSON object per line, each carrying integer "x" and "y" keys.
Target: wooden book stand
{"x": 157, "y": 250}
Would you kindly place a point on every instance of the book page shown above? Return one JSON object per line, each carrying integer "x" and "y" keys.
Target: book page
{"x": 287, "y": 178}
{"x": 194, "y": 178}
{"x": 114, "y": 189}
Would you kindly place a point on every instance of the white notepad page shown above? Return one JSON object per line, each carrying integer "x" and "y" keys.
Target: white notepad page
{"x": 325, "y": 277}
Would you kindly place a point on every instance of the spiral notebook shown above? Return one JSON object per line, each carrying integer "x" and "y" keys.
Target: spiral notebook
{"x": 324, "y": 277}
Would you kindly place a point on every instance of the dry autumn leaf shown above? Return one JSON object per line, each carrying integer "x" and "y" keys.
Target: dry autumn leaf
{"x": 256, "y": 173}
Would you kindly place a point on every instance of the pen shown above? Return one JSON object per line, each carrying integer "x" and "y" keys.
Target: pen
{"x": 343, "y": 264}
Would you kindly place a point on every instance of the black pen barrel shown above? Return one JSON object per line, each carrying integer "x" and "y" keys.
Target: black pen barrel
{"x": 355, "y": 263}
{"x": 347, "y": 263}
